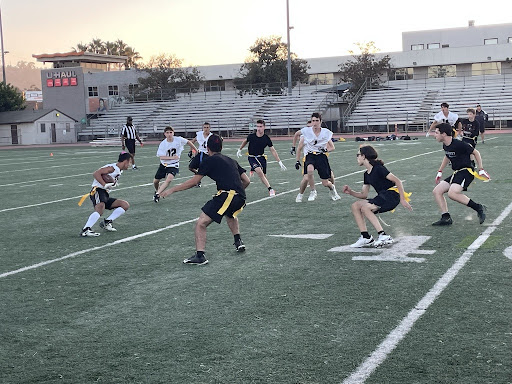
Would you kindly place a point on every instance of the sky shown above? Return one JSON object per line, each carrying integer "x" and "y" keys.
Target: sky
{"x": 208, "y": 32}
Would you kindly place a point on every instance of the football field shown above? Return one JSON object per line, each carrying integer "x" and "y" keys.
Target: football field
{"x": 299, "y": 306}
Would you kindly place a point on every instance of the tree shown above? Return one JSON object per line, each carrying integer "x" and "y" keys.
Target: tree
{"x": 365, "y": 66}
{"x": 11, "y": 98}
{"x": 265, "y": 70}
{"x": 118, "y": 47}
{"x": 166, "y": 77}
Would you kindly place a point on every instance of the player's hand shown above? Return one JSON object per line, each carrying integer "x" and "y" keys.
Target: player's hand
{"x": 141, "y": 144}
{"x": 346, "y": 189}
{"x": 323, "y": 150}
{"x": 239, "y": 153}
{"x": 439, "y": 177}
{"x": 109, "y": 186}
{"x": 297, "y": 165}
{"x": 483, "y": 173}
{"x": 292, "y": 151}
{"x": 283, "y": 168}
{"x": 406, "y": 204}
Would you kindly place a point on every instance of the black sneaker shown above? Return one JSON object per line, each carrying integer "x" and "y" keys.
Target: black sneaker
{"x": 156, "y": 197}
{"x": 444, "y": 221}
{"x": 196, "y": 260}
{"x": 135, "y": 168}
{"x": 198, "y": 185}
{"x": 481, "y": 213}
{"x": 239, "y": 245}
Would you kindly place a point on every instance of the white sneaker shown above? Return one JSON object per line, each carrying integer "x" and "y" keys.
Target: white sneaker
{"x": 272, "y": 193}
{"x": 107, "y": 226}
{"x": 334, "y": 194}
{"x": 298, "y": 199}
{"x": 362, "y": 242}
{"x": 312, "y": 195}
{"x": 88, "y": 232}
{"x": 383, "y": 240}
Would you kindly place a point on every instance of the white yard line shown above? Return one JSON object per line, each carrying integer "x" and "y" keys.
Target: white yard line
{"x": 387, "y": 346}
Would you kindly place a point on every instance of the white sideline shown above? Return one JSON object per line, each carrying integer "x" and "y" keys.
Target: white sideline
{"x": 398, "y": 334}
{"x": 144, "y": 234}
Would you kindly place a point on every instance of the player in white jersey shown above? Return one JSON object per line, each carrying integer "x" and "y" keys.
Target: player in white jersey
{"x": 105, "y": 178}
{"x": 315, "y": 142}
{"x": 444, "y": 116}
{"x": 201, "y": 139}
{"x": 169, "y": 152}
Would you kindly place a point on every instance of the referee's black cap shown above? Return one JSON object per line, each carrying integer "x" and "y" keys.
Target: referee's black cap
{"x": 214, "y": 143}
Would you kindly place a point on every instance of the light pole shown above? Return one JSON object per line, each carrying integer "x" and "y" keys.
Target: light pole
{"x": 289, "y": 66}
{"x": 2, "y": 48}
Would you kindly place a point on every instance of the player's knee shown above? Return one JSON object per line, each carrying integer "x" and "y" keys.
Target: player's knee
{"x": 125, "y": 205}
{"x": 452, "y": 194}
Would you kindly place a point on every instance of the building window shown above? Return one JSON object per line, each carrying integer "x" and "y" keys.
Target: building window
{"x": 510, "y": 40}
{"x": 417, "y": 47}
{"x": 445, "y": 46}
{"x": 490, "y": 41}
{"x": 433, "y": 46}
{"x": 321, "y": 79}
{"x": 93, "y": 91}
{"x": 401, "y": 74}
{"x": 132, "y": 88}
{"x": 214, "y": 85}
{"x": 492, "y": 68}
{"x": 438, "y": 71}
{"x": 43, "y": 128}
{"x": 68, "y": 127}
{"x": 113, "y": 90}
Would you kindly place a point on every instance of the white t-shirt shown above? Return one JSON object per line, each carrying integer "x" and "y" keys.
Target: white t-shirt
{"x": 115, "y": 175}
{"x": 441, "y": 118}
{"x": 314, "y": 143}
{"x": 202, "y": 141}
{"x": 171, "y": 148}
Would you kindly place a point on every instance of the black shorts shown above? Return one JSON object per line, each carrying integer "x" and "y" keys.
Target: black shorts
{"x": 223, "y": 203}
{"x": 320, "y": 162}
{"x": 130, "y": 145}
{"x": 163, "y": 171}
{"x": 385, "y": 201}
{"x": 102, "y": 196}
{"x": 258, "y": 162}
{"x": 197, "y": 160}
{"x": 462, "y": 177}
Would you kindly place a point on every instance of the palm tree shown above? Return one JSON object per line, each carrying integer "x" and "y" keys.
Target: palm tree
{"x": 97, "y": 46}
{"x": 110, "y": 48}
{"x": 80, "y": 48}
{"x": 133, "y": 57}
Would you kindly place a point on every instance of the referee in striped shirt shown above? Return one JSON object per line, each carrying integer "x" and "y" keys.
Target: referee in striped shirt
{"x": 128, "y": 136}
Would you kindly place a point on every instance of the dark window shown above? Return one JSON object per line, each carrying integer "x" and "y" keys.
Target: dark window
{"x": 93, "y": 91}
{"x": 68, "y": 127}
{"x": 113, "y": 90}
{"x": 43, "y": 128}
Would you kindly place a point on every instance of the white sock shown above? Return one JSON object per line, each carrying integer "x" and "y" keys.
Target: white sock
{"x": 117, "y": 212}
{"x": 93, "y": 218}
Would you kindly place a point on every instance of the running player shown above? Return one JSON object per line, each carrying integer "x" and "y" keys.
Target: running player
{"x": 390, "y": 193}
{"x": 458, "y": 153}
{"x": 315, "y": 143}
{"x": 100, "y": 195}
{"x": 444, "y": 116}
{"x": 169, "y": 152}
{"x": 201, "y": 139}
{"x": 229, "y": 201}
{"x": 258, "y": 141}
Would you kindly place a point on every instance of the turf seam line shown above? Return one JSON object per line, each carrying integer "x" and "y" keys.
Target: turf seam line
{"x": 379, "y": 355}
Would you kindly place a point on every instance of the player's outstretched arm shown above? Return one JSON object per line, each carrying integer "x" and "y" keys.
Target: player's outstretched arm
{"x": 192, "y": 182}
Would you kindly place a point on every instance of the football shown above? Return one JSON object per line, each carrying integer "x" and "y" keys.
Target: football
{"x": 107, "y": 178}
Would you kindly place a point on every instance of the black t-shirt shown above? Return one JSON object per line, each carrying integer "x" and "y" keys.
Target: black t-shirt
{"x": 470, "y": 129}
{"x": 257, "y": 144}
{"x": 224, "y": 171}
{"x": 458, "y": 153}
{"x": 377, "y": 178}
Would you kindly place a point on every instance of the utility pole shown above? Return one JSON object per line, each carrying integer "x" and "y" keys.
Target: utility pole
{"x": 2, "y": 48}
{"x": 289, "y": 66}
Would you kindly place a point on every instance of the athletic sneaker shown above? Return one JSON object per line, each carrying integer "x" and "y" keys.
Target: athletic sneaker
{"x": 443, "y": 221}
{"x": 198, "y": 185}
{"x": 239, "y": 245}
{"x": 312, "y": 195}
{"x": 362, "y": 242}
{"x": 135, "y": 167}
{"x": 271, "y": 193}
{"x": 298, "y": 199}
{"x": 383, "y": 240}
{"x": 156, "y": 197}
{"x": 481, "y": 213}
{"x": 334, "y": 194}
{"x": 88, "y": 232}
{"x": 196, "y": 260}
{"x": 107, "y": 225}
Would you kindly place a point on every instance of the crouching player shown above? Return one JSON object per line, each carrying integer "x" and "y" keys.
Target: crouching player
{"x": 105, "y": 179}
{"x": 390, "y": 193}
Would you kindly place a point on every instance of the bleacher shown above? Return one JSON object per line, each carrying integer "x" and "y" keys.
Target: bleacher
{"x": 413, "y": 103}
{"x": 228, "y": 115}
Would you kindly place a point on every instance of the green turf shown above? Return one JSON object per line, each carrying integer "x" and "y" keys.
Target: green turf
{"x": 285, "y": 311}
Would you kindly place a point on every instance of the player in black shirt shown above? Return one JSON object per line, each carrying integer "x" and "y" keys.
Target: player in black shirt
{"x": 229, "y": 201}
{"x": 470, "y": 128}
{"x": 458, "y": 153}
{"x": 258, "y": 141}
{"x": 390, "y": 193}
